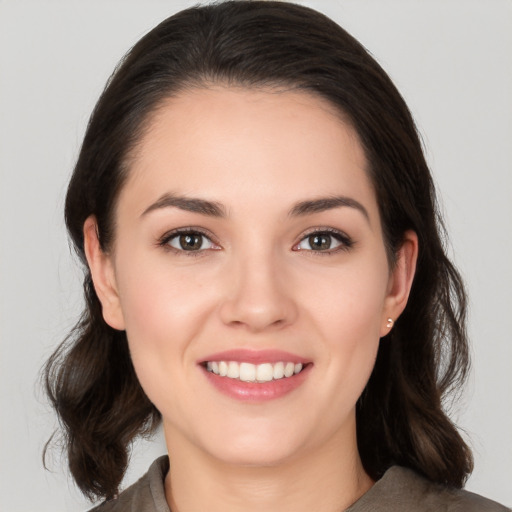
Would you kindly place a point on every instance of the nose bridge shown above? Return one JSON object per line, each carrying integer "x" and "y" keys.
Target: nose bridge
{"x": 258, "y": 294}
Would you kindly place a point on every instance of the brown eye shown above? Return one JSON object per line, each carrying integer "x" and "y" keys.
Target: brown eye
{"x": 324, "y": 241}
{"x": 190, "y": 242}
{"x": 319, "y": 242}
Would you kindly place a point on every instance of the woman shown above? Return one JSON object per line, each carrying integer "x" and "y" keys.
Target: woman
{"x": 265, "y": 275}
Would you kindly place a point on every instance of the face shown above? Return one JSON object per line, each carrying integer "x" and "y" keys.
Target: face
{"x": 250, "y": 273}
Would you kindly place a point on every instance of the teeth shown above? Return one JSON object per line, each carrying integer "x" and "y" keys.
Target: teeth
{"x": 233, "y": 370}
{"x": 223, "y": 368}
{"x": 264, "y": 372}
{"x": 248, "y": 372}
{"x": 278, "y": 371}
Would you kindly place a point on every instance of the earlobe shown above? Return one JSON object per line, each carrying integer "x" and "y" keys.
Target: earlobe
{"x": 401, "y": 280}
{"x": 103, "y": 277}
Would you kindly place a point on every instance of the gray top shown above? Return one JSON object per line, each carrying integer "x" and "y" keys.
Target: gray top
{"x": 400, "y": 489}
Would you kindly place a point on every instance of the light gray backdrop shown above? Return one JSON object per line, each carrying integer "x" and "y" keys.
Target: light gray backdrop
{"x": 451, "y": 60}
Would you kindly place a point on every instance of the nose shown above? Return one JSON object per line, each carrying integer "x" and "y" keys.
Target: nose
{"x": 259, "y": 295}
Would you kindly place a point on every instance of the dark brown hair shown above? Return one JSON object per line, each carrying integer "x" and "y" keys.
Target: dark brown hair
{"x": 400, "y": 419}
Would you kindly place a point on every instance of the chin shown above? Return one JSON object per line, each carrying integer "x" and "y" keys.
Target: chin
{"x": 255, "y": 454}
{"x": 260, "y": 443}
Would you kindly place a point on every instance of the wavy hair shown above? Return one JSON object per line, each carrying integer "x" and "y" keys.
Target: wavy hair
{"x": 90, "y": 379}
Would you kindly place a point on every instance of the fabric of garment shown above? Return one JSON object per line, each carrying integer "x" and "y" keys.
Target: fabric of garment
{"x": 399, "y": 490}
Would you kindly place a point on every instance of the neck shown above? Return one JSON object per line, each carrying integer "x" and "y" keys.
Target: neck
{"x": 330, "y": 479}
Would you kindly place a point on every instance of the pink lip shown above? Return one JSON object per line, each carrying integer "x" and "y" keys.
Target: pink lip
{"x": 254, "y": 391}
{"x": 255, "y": 356}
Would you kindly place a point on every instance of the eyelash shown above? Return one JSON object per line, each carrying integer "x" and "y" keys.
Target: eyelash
{"x": 165, "y": 240}
{"x": 346, "y": 243}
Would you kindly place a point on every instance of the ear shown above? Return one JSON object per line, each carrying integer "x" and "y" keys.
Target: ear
{"x": 103, "y": 276}
{"x": 400, "y": 281}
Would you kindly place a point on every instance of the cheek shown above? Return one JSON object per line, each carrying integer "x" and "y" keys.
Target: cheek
{"x": 164, "y": 307}
{"x": 349, "y": 302}
{"x": 164, "y": 310}
{"x": 347, "y": 310}
{"x": 159, "y": 298}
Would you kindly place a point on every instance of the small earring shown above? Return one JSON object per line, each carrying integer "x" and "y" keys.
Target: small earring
{"x": 390, "y": 323}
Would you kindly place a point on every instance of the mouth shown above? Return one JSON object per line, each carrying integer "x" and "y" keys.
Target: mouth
{"x": 249, "y": 372}
{"x": 255, "y": 376}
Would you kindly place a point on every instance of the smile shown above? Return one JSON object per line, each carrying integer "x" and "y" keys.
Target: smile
{"x": 255, "y": 376}
{"x": 248, "y": 372}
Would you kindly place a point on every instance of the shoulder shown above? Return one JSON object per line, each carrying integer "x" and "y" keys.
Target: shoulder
{"x": 401, "y": 489}
{"x": 145, "y": 495}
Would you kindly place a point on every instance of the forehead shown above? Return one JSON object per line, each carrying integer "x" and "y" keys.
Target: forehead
{"x": 269, "y": 145}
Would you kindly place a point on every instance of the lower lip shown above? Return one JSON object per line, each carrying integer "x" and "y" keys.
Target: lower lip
{"x": 257, "y": 391}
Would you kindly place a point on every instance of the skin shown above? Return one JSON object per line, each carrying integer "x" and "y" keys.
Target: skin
{"x": 259, "y": 285}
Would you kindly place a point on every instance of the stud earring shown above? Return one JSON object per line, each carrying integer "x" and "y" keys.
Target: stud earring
{"x": 390, "y": 323}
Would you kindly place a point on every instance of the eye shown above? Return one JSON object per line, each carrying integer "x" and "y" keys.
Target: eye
{"x": 324, "y": 241}
{"x": 189, "y": 241}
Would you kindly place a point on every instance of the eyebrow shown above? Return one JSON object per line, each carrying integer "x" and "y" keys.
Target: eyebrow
{"x": 323, "y": 204}
{"x": 215, "y": 209}
{"x": 189, "y": 204}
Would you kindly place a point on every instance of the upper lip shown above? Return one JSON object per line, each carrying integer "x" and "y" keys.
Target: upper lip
{"x": 255, "y": 356}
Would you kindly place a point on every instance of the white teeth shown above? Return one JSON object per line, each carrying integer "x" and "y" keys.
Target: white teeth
{"x": 278, "y": 370}
{"x": 223, "y": 368}
{"x": 288, "y": 369}
{"x": 233, "y": 370}
{"x": 264, "y": 372}
{"x": 249, "y": 372}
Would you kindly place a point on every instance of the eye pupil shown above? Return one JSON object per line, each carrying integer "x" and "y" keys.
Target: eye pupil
{"x": 320, "y": 242}
{"x": 191, "y": 242}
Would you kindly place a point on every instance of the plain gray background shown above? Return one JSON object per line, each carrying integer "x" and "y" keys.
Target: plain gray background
{"x": 450, "y": 59}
